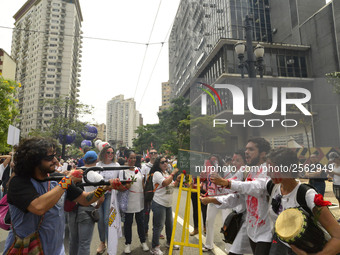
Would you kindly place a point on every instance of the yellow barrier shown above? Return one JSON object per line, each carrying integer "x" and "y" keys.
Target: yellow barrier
{"x": 185, "y": 232}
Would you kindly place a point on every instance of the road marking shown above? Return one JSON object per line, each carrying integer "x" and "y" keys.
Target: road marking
{"x": 216, "y": 249}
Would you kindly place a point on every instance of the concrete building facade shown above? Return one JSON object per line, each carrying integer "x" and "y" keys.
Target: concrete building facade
{"x": 122, "y": 119}
{"x": 7, "y": 65}
{"x": 46, "y": 46}
{"x": 101, "y": 131}
{"x": 166, "y": 93}
{"x": 300, "y": 39}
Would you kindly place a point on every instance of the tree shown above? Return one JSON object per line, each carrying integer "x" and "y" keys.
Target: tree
{"x": 170, "y": 134}
{"x": 59, "y": 123}
{"x": 334, "y": 80}
{"x": 203, "y": 133}
{"x": 8, "y": 109}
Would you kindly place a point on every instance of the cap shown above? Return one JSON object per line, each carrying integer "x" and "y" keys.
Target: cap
{"x": 332, "y": 156}
{"x": 90, "y": 157}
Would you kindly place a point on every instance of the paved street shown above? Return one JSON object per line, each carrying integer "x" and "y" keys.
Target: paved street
{"x": 219, "y": 244}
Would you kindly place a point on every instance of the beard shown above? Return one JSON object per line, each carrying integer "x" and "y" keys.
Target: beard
{"x": 47, "y": 169}
{"x": 254, "y": 161}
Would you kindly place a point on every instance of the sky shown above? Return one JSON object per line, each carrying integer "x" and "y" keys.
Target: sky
{"x": 108, "y": 67}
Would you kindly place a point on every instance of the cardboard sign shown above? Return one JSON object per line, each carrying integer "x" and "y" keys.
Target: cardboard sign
{"x": 13, "y": 135}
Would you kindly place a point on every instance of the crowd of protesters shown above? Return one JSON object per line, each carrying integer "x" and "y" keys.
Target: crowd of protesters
{"x": 44, "y": 194}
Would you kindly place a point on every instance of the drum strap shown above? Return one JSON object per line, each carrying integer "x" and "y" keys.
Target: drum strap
{"x": 300, "y": 196}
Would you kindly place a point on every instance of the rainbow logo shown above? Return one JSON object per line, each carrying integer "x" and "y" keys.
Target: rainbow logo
{"x": 209, "y": 93}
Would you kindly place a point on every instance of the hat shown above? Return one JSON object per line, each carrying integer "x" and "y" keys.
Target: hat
{"x": 332, "y": 156}
{"x": 90, "y": 157}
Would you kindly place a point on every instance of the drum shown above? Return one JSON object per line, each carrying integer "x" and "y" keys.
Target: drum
{"x": 295, "y": 226}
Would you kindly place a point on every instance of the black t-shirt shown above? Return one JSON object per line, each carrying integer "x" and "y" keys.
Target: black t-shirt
{"x": 21, "y": 192}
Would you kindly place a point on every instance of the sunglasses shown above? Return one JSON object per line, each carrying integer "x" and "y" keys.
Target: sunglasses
{"x": 153, "y": 152}
{"x": 163, "y": 162}
{"x": 109, "y": 152}
{"x": 50, "y": 157}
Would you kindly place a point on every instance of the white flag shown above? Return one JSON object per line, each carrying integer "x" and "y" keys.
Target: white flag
{"x": 115, "y": 229}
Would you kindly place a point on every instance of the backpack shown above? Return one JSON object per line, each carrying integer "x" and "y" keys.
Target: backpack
{"x": 232, "y": 225}
{"x": 148, "y": 189}
{"x": 5, "y": 219}
{"x": 300, "y": 196}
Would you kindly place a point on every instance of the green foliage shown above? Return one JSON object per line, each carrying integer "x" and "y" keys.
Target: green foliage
{"x": 204, "y": 133}
{"x": 170, "y": 134}
{"x": 60, "y": 123}
{"x": 8, "y": 109}
{"x": 334, "y": 80}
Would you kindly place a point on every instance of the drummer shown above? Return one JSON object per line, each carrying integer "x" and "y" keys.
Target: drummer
{"x": 285, "y": 193}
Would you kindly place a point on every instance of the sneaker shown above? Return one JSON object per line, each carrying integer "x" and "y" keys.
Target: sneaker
{"x": 156, "y": 251}
{"x": 195, "y": 232}
{"x": 145, "y": 247}
{"x": 161, "y": 236}
{"x": 101, "y": 248}
{"x": 127, "y": 249}
{"x": 175, "y": 247}
{"x": 205, "y": 249}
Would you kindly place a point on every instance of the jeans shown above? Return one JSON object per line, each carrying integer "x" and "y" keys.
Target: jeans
{"x": 128, "y": 226}
{"x": 195, "y": 210}
{"x": 320, "y": 186}
{"x": 103, "y": 223}
{"x": 161, "y": 215}
{"x": 81, "y": 229}
{"x": 147, "y": 206}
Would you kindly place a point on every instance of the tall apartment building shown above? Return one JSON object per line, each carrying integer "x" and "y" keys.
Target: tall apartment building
{"x": 7, "y": 65}
{"x": 300, "y": 42}
{"x": 198, "y": 27}
{"x": 101, "y": 131}
{"x": 46, "y": 46}
{"x": 166, "y": 92}
{"x": 122, "y": 119}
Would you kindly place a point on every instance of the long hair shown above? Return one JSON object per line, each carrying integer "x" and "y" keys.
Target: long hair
{"x": 156, "y": 165}
{"x": 102, "y": 154}
{"x": 29, "y": 154}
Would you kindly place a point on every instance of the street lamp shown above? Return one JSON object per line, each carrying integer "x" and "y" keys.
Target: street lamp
{"x": 258, "y": 53}
{"x": 65, "y": 130}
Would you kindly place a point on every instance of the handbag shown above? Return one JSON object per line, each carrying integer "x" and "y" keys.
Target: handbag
{"x": 30, "y": 244}
{"x": 123, "y": 200}
{"x": 232, "y": 225}
{"x": 5, "y": 219}
{"x": 94, "y": 215}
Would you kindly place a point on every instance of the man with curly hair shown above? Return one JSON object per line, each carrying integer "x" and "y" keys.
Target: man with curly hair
{"x": 36, "y": 204}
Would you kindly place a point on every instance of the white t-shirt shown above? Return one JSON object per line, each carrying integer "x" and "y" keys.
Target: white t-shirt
{"x": 108, "y": 174}
{"x": 136, "y": 195}
{"x": 259, "y": 224}
{"x": 92, "y": 176}
{"x": 290, "y": 200}
{"x": 336, "y": 178}
{"x": 146, "y": 169}
{"x": 163, "y": 195}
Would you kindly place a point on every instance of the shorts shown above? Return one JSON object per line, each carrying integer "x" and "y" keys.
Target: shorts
{"x": 336, "y": 190}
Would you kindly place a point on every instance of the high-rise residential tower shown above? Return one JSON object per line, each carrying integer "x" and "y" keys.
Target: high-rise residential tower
{"x": 46, "y": 46}
{"x": 122, "y": 119}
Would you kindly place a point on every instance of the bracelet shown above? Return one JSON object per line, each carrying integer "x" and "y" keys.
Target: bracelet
{"x": 65, "y": 182}
{"x": 99, "y": 192}
{"x": 229, "y": 184}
